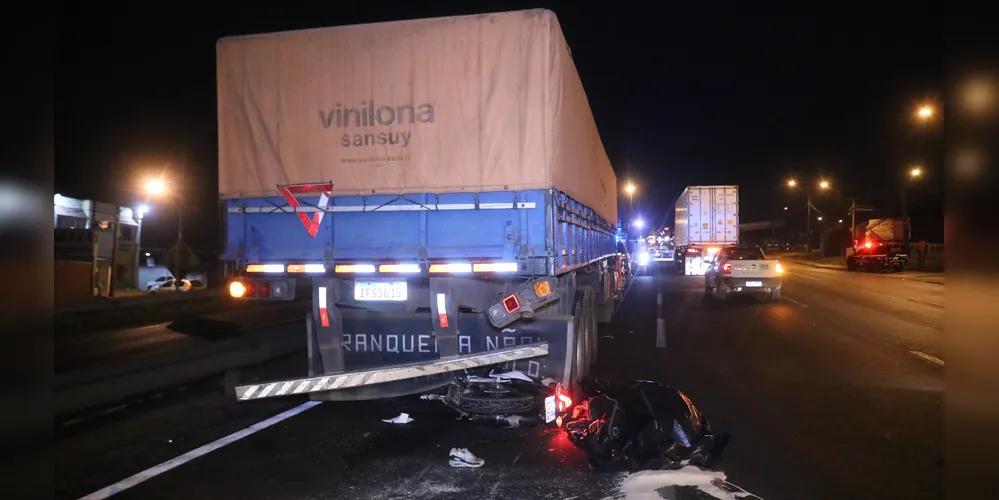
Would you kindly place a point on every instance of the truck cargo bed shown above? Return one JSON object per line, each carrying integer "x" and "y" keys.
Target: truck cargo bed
{"x": 544, "y": 231}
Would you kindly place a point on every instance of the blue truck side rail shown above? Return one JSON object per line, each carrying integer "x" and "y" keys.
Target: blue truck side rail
{"x": 545, "y": 232}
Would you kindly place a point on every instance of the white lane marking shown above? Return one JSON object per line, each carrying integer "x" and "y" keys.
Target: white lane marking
{"x": 927, "y": 357}
{"x": 789, "y": 299}
{"x": 191, "y": 455}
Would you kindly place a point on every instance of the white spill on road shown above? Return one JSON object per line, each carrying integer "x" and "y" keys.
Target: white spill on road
{"x": 927, "y": 357}
{"x": 191, "y": 455}
{"x": 645, "y": 485}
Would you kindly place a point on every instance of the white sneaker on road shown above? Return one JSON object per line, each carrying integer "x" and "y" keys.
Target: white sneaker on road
{"x": 461, "y": 457}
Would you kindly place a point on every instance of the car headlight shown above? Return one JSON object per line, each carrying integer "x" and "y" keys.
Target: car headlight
{"x": 643, "y": 258}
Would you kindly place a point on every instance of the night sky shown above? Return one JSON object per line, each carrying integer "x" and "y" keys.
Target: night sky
{"x": 680, "y": 97}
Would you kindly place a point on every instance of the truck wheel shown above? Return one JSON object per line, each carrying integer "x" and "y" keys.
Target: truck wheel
{"x": 775, "y": 294}
{"x": 707, "y": 288}
{"x": 851, "y": 265}
{"x": 582, "y": 319}
{"x": 593, "y": 337}
{"x": 721, "y": 292}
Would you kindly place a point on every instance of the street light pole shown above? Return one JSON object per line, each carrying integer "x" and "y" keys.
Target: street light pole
{"x": 808, "y": 224}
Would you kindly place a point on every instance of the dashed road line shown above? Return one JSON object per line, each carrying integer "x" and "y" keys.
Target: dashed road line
{"x": 789, "y": 299}
{"x": 191, "y": 455}
{"x": 927, "y": 357}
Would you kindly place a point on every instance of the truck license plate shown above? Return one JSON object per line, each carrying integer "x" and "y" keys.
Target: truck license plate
{"x": 754, "y": 283}
{"x": 393, "y": 291}
{"x": 549, "y": 409}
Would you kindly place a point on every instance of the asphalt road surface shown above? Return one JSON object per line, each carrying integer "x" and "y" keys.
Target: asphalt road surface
{"x": 81, "y": 350}
{"x": 822, "y": 392}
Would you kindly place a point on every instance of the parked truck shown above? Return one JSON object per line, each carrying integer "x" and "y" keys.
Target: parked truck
{"x": 706, "y": 218}
{"x": 440, "y": 189}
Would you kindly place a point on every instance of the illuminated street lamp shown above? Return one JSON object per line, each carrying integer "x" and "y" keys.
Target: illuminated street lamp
{"x": 818, "y": 218}
{"x": 155, "y": 187}
{"x": 639, "y": 223}
{"x": 630, "y": 189}
{"x": 824, "y": 184}
{"x": 792, "y": 183}
{"x": 924, "y": 113}
{"x": 785, "y": 208}
{"x": 915, "y": 172}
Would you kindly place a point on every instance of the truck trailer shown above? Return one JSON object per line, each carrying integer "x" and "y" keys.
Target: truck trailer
{"x": 440, "y": 189}
{"x": 706, "y": 219}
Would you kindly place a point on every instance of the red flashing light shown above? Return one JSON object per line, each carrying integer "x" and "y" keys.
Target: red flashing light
{"x": 867, "y": 244}
{"x": 726, "y": 268}
{"x": 511, "y": 304}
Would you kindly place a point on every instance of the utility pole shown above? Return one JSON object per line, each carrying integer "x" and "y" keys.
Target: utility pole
{"x": 114, "y": 252}
{"x": 808, "y": 224}
{"x": 853, "y": 221}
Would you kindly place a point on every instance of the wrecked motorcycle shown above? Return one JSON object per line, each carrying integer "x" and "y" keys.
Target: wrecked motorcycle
{"x": 645, "y": 423}
{"x": 511, "y": 398}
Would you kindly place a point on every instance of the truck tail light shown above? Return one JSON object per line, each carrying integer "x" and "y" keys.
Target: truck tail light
{"x": 511, "y": 304}
{"x": 264, "y": 289}
{"x": 236, "y": 289}
{"x": 726, "y": 268}
{"x": 779, "y": 268}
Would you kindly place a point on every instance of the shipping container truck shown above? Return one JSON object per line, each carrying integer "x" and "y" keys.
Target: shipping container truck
{"x": 440, "y": 188}
{"x": 706, "y": 219}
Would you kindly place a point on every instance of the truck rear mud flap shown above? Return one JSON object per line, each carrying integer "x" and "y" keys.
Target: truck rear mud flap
{"x": 387, "y": 374}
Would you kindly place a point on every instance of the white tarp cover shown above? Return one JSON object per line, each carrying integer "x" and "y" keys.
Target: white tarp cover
{"x": 473, "y": 103}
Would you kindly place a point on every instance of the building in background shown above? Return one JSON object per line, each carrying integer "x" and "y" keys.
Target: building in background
{"x": 84, "y": 246}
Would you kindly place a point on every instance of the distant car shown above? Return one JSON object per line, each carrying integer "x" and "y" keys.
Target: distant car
{"x": 172, "y": 285}
{"x": 743, "y": 269}
{"x": 157, "y": 282}
{"x": 877, "y": 258}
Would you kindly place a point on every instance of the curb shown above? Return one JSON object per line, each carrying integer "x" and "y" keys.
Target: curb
{"x": 833, "y": 268}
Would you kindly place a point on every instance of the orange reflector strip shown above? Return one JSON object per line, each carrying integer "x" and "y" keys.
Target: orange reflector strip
{"x": 542, "y": 289}
{"x": 354, "y": 268}
{"x": 306, "y": 268}
{"x": 265, "y": 268}
{"x": 399, "y": 268}
{"x": 495, "y": 267}
{"x": 450, "y": 268}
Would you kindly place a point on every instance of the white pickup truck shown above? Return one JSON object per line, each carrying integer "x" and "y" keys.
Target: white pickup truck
{"x": 742, "y": 269}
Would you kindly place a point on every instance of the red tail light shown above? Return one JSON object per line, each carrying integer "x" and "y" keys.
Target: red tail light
{"x": 726, "y": 268}
{"x": 511, "y": 304}
{"x": 562, "y": 400}
{"x": 264, "y": 289}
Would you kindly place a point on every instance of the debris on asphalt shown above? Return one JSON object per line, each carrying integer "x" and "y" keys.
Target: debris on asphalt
{"x": 713, "y": 484}
{"x": 645, "y": 423}
{"x": 511, "y": 375}
{"x": 461, "y": 457}
{"x": 403, "y": 418}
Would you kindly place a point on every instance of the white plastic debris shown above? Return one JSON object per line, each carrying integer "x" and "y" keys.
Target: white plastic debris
{"x": 403, "y": 418}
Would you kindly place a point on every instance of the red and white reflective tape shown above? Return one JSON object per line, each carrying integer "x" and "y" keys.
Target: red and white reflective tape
{"x": 324, "y": 316}
{"x": 441, "y": 310}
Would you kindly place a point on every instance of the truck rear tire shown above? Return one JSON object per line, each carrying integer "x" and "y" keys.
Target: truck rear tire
{"x": 775, "y": 295}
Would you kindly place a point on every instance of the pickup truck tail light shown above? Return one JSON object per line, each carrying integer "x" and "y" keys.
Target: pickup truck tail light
{"x": 726, "y": 268}
{"x": 779, "y": 268}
